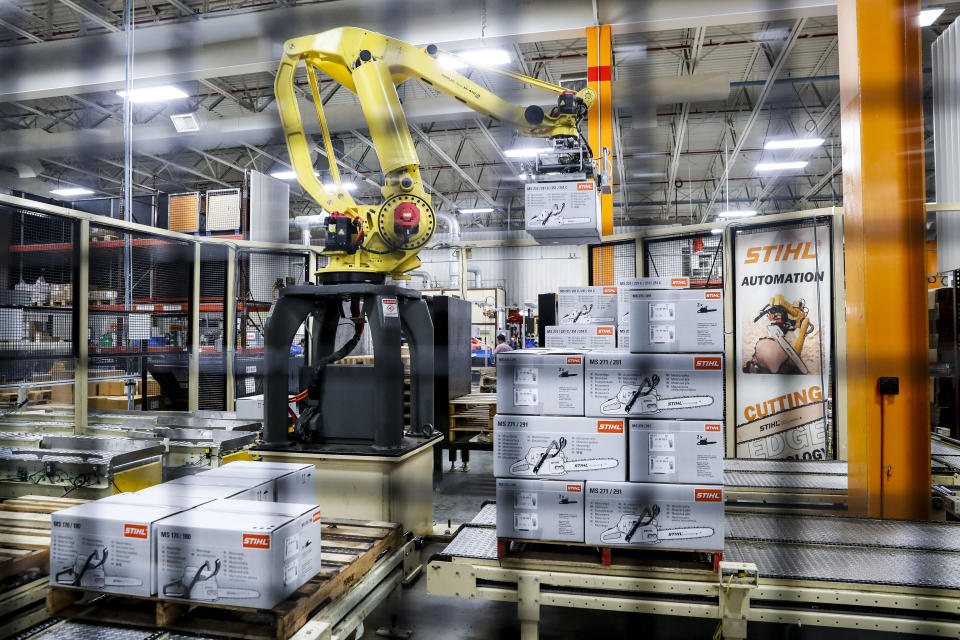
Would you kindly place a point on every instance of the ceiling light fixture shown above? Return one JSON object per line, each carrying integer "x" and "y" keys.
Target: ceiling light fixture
{"x": 71, "y": 191}
{"x": 348, "y": 186}
{"x": 154, "y": 94}
{"x": 780, "y": 166}
{"x": 716, "y": 231}
{"x": 480, "y": 210}
{"x": 736, "y": 214}
{"x": 476, "y": 57}
{"x": 284, "y": 174}
{"x": 184, "y": 122}
{"x": 794, "y": 143}
{"x": 928, "y": 16}
{"x": 528, "y": 152}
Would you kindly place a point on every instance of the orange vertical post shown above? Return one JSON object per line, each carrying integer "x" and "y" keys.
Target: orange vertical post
{"x": 883, "y": 207}
{"x": 599, "y": 76}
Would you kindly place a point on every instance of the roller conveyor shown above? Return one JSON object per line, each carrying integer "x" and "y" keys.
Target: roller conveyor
{"x": 832, "y": 467}
{"x": 810, "y": 482}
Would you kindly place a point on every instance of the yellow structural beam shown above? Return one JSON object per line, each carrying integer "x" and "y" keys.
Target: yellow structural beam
{"x": 599, "y": 77}
{"x": 883, "y": 202}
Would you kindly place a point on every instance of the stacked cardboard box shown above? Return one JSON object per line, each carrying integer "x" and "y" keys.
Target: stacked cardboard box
{"x": 217, "y": 536}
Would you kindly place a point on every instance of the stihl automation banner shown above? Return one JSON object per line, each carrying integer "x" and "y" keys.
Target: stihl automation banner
{"x": 783, "y": 357}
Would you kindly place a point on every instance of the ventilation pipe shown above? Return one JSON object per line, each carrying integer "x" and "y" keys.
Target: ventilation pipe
{"x": 478, "y": 279}
{"x": 427, "y": 278}
{"x": 454, "y": 270}
{"x": 453, "y": 227}
{"x": 306, "y": 224}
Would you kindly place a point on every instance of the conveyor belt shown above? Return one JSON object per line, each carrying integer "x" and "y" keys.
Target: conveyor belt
{"x": 834, "y": 467}
{"x": 942, "y": 447}
{"x": 487, "y": 516}
{"x": 844, "y": 530}
{"x": 827, "y": 549}
{"x": 82, "y": 631}
{"x": 741, "y": 479}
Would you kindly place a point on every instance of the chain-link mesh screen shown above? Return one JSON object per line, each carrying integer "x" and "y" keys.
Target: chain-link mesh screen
{"x": 610, "y": 262}
{"x": 139, "y": 317}
{"x": 37, "y": 272}
{"x": 698, "y": 257}
{"x": 260, "y": 276}
{"x": 213, "y": 289}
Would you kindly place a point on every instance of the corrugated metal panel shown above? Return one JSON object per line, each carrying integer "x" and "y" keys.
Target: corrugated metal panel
{"x": 946, "y": 144}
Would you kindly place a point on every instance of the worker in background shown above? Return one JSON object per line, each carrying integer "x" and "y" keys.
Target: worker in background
{"x": 501, "y": 346}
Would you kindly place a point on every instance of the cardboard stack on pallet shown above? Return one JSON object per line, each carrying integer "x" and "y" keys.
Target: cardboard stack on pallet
{"x": 618, "y": 448}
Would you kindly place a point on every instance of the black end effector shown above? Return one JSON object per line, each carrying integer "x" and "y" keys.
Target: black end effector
{"x": 341, "y": 230}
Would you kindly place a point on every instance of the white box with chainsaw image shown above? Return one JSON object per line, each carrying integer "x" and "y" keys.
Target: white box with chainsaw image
{"x": 559, "y": 448}
{"x": 662, "y": 516}
{"x": 106, "y": 546}
{"x": 679, "y": 321}
{"x": 540, "y": 510}
{"x": 540, "y": 382}
{"x": 654, "y": 385}
{"x": 676, "y": 451}
{"x": 587, "y": 305}
{"x": 254, "y": 558}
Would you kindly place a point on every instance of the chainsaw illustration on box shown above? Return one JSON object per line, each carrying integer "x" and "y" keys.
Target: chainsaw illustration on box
{"x": 581, "y": 316}
{"x": 783, "y": 318}
{"x": 550, "y": 461}
{"x": 198, "y": 583}
{"x": 643, "y": 529}
{"x": 546, "y": 215}
{"x": 650, "y": 401}
{"x": 703, "y": 308}
{"x": 89, "y": 573}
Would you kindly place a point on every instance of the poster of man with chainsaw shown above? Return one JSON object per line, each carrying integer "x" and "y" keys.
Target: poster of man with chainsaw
{"x": 783, "y": 323}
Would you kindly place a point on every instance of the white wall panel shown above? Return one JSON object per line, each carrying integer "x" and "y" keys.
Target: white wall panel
{"x": 946, "y": 143}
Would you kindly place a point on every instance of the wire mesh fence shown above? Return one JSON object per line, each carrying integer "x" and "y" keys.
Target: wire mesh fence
{"x": 698, "y": 257}
{"x": 37, "y": 275}
{"x": 260, "y": 277}
{"x": 139, "y": 315}
{"x": 213, "y": 319}
{"x": 611, "y": 262}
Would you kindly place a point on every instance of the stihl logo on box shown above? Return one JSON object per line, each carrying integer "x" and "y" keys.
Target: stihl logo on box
{"x": 574, "y": 488}
{"x": 711, "y": 427}
{"x": 712, "y": 295}
{"x": 707, "y": 363}
{"x": 604, "y": 331}
{"x": 256, "y": 541}
{"x": 584, "y": 186}
{"x": 135, "y": 531}
{"x": 609, "y": 426}
{"x": 577, "y": 360}
{"x": 679, "y": 282}
{"x": 708, "y": 495}
{"x": 610, "y": 291}
{"x": 316, "y": 516}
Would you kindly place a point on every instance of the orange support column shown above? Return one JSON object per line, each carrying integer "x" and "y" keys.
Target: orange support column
{"x": 883, "y": 207}
{"x": 599, "y": 75}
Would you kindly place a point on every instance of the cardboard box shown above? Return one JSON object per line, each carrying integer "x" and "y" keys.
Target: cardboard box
{"x": 245, "y": 559}
{"x": 689, "y": 320}
{"x": 623, "y": 338}
{"x": 626, "y": 286}
{"x": 177, "y": 492}
{"x": 157, "y": 499}
{"x": 108, "y": 547}
{"x": 665, "y": 516}
{"x": 251, "y": 407}
{"x": 256, "y": 489}
{"x": 118, "y": 388}
{"x": 120, "y": 402}
{"x": 654, "y": 385}
{"x": 572, "y": 336}
{"x": 540, "y": 510}
{"x": 295, "y": 482}
{"x": 676, "y": 451}
{"x": 63, "y": 393}
{"x": 564, "y": 448}
{"x": 540, "y": 382}
{"x": 562, "y": 212}
{"x": 587, "y": 305}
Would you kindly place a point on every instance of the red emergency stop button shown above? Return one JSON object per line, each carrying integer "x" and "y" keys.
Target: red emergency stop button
{"x": 406, "y": 216}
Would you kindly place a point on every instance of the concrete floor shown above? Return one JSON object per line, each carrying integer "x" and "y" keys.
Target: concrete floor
{"x": 457, "y": 498}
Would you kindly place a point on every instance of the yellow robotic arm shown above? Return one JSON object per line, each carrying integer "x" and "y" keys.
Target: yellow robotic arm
{"x": 386, "y": 240}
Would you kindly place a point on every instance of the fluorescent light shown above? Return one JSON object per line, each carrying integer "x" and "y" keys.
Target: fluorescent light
{"x": 154, "y": 94}
{"x": 348, "y": 186}
{"x": 736, "y": 214}
{"x": 780, "y": 166}
{"x": 716, "y": 231}
{"x": 930, "y": 203}
{"x": 795, "y": 143}
{"x": 184, "y": 122}
{"x": 284, "y": 175}
{"x": 480, "y": 210}
{"x": 528, "y": 152}
{"x": 478, "y": 57}
{"x": 928, "y": 16}
{"x": 522, "y": 176}
{"x": 71, "y": 191}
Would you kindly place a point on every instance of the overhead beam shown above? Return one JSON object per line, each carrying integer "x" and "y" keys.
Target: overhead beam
{"x": 249, "y": 42}
{"x": 687, "y": 66}
{"x": 824, "y": 181}
{"x": 20, "y": 32}
{"x": 757, "y": 106}
{"x": 93, "y": 11}
{"x": 219, "y": 86}
{"x": 181, "y": 7}
{"x": 440, "y": 153}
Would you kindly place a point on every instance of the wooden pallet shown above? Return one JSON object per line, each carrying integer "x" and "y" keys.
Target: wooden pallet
{"x": 350, "y": 549}
{"x": 34, "y": 396}
{"x": 473, "y": 412}
{"x": 25, "y": 533}
{"x": 580, "y": 554}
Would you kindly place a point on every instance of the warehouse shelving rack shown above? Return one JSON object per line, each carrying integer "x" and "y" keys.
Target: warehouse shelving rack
{"x": 195, "y": 277}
